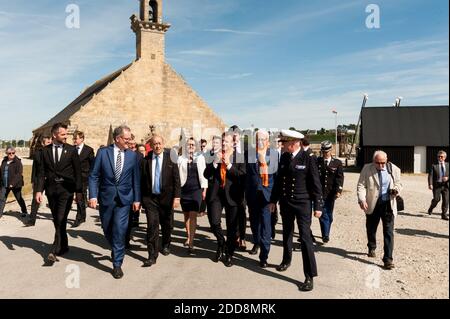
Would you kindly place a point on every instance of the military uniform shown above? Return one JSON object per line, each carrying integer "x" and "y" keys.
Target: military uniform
{"x": 332, "y": 180}
{"x": 297, "y": 186}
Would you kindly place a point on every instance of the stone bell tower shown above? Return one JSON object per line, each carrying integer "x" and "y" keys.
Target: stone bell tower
{"x": 150, "y": 31}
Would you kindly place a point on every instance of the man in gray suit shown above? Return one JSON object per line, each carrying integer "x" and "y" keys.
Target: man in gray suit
{"x": 438, "y": 183}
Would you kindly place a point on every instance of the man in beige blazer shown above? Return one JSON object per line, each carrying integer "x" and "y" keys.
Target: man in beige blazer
{"x": 378, "y": 186}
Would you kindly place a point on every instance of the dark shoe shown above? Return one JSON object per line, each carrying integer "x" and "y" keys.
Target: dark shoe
{"x": 283, "y": 266}
{"x": 117, "y": 272}
{"x": 242, "y": 245}
{"x": 191, "y": 251}
{"x": 444, "y": 216}
{"x": 30, "y": 223}
{"x": 77, "y": 223}
{"x": 389, "y": 265}
{"x": 149, "y": 262}
{"x": 308, "y": 285}
{"x": 23, "y": 215}
{"x": 430, "y": 212}
{"x": 325, "y": 239}
{"x": 263, "y": 264}
{"x": 166, "y": 251}
{"x": 254, "y": 250}
{"x": 228, "y": 262}
{"x": 219, "y": 255}
{"x": 52, "y": 258}
{"x": 372, "y": 253}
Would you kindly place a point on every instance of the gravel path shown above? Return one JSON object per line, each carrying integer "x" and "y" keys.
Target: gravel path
{"x": 421, "y": 256}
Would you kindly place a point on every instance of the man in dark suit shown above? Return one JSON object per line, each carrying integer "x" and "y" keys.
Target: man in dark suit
{"x": 114, "y": 183}
{"x": 261, "y": 169}
{"x": 86, "y": 154}
{"x": 438, "y": 183}
{"x": 226, "y": 192}
{"x": 60, "y": 176}
{"x": 332, "y": 179}
{"x": 297, "y": 186}
{"x": 37, "y": 159}
{"x": 161, "y": 191}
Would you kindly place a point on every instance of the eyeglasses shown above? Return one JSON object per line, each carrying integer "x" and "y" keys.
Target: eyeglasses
{"x": 11, "y": 153}
{"x": 380, "y": 163}
{"x": 441, "y": 156}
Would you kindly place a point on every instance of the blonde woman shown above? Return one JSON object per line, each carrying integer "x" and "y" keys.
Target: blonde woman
{"x": 193, "y": 189}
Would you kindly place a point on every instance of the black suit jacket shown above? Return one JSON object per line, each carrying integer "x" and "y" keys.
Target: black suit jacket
{"x": 331, "y": 177}
{"x": 297, "y": 180}
{"x": 37, "y": 159}
{"x": 233, "y": 194}
{"x": 87, "y": 158}
{"x": 433, "y": 176}
{"x": 68, "y": 168}
{"x": 170, "y": 184}
{"x": 15, "y": 172}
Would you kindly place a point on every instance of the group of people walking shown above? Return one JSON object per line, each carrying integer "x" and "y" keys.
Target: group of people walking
{"x": 265, "y": 177}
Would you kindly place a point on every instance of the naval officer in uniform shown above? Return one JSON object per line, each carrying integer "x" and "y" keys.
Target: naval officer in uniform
{"x": 332, "y": 179}
{"x": 297, "y": 186}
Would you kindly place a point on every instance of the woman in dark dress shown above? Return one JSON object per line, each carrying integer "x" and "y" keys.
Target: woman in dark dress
{"x": 193, "y": 189}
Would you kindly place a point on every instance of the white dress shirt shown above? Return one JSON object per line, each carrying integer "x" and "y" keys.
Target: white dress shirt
{"x": 161, "y": 158}
{"x": 80, "y": 148}
{"x": 60, "y": 150}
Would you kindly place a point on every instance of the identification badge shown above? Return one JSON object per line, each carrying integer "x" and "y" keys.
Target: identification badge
{"x": 300, "y": 166}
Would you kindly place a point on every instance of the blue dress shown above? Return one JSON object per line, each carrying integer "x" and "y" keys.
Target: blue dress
{"x": 191, "y": 192}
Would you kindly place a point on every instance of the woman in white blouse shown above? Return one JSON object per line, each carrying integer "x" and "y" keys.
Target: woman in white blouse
{"x": 193, "y": 188}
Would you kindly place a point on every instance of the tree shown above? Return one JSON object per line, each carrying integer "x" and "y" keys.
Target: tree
{"x": 322, "y": 131}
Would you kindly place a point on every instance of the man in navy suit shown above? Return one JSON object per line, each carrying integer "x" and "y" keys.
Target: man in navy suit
{"x": 114, "y": 183}
{"x": 261, "y": 169}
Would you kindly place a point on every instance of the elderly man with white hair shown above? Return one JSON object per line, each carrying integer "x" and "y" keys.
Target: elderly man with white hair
{"x": 378, "y": 186}
{"x": 262, "y": 167}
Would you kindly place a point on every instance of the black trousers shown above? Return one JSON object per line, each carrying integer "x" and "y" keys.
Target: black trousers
{"x": 384, "y": 212}
{"x": 242, "y": 221}
{"x": 274, "y": 221}
{"x": 157, "y": 214}
{"x": 300, "y": 210}
{"x": 438, "y": 190}
{"x": 81, "y": 206}
{"x": 4, "y": 192}
{"x": 60, "y": 203}
{"x": 215, "y": 208}
{"x": 34, "y": 207}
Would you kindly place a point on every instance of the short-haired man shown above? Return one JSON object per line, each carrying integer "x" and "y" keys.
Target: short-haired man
{"x": 161, "y": 191}
{"x": 87, "y": 157}
{"x": 114, "y": 183}
{"x": 438, "y": 183}
{"x": 378, "y": 186}
{"x": 60, "y": 177}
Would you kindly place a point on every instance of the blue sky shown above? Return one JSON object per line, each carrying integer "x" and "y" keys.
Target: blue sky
{"x": 272, "y": 64}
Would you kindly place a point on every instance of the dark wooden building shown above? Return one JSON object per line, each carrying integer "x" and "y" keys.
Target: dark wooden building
{"x": 411, "y": 136}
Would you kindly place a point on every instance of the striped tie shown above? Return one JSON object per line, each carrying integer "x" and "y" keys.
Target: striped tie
{"x": 118, "y": 170}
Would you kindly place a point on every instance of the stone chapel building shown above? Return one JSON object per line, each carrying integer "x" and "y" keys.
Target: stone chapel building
{"x": 147, "y": 95}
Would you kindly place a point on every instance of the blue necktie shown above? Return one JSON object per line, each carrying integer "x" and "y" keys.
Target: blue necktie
{"x": 442, "y": 171}
{"x": 157, "y": 186}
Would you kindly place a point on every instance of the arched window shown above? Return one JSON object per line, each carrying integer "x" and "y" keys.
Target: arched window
{"x": 153, "y": 13}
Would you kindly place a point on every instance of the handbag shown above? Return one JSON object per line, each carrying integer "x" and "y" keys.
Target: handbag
{"x": 398, "y": 198}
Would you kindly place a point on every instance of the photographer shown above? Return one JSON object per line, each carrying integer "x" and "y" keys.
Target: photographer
{"x": 378, "y": 186}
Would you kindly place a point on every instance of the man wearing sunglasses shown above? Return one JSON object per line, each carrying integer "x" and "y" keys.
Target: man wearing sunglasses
{"x": 11, "y": 172}
{"x": 438, "y": 183}
{"x": 378, "y": 186}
